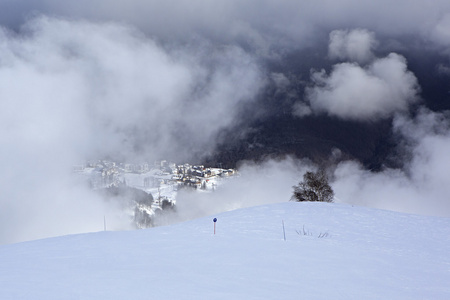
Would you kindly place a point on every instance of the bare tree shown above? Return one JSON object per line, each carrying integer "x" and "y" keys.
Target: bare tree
{"x": 314, "y": 187}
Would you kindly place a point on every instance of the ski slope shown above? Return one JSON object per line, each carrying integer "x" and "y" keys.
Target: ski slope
{"x": 364, "y": 254}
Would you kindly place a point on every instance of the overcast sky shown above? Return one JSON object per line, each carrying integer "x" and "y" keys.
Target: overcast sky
{"x": 142, "y": 79}
{"x": 269, "y": 20}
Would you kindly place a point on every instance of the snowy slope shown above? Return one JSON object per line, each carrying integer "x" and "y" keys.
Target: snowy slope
{"x": 366, "y": 254}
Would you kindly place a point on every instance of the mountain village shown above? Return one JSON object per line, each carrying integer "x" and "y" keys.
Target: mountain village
{"x": 162, "y": 180}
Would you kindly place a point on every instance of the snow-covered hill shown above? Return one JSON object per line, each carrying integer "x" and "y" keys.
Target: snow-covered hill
{"x": 361, "y": 253}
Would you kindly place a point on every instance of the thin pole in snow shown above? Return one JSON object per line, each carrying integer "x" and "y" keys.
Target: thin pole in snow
{"x": 104, "y": 222}
{"x": 284, "y": 232}
{"x": 215, "y": 220}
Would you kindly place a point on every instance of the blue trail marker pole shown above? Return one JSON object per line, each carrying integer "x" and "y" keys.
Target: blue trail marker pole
{"x": 215, "y": 220}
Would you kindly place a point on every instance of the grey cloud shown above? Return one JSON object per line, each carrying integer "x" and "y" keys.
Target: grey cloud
{"x": 355, "y": 45}
{"x": 301, "y": 109}
{"x": 263, "y": 25}
{"x": 440, "y": 34}
{"x": 443, "y": 69}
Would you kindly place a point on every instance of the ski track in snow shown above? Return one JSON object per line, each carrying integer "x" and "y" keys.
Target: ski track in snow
{"x": 366, "y": 254}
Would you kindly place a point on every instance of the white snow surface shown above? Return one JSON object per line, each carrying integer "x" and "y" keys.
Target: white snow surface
{"x": 366, "y": 254}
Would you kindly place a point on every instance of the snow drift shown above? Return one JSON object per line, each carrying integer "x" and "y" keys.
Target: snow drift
{"x": 331, "y": 251}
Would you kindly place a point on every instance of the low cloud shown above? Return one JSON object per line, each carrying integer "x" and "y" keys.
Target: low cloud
{"x": 421, "y": 186}
{"x": 353, "y": 92}
{"x": 257, "y": 184}
{"x": 120, "y": 92}
{"x": 77, "y": 90}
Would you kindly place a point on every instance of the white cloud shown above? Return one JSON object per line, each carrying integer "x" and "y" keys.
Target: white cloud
{"x": 355, "y": 93}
